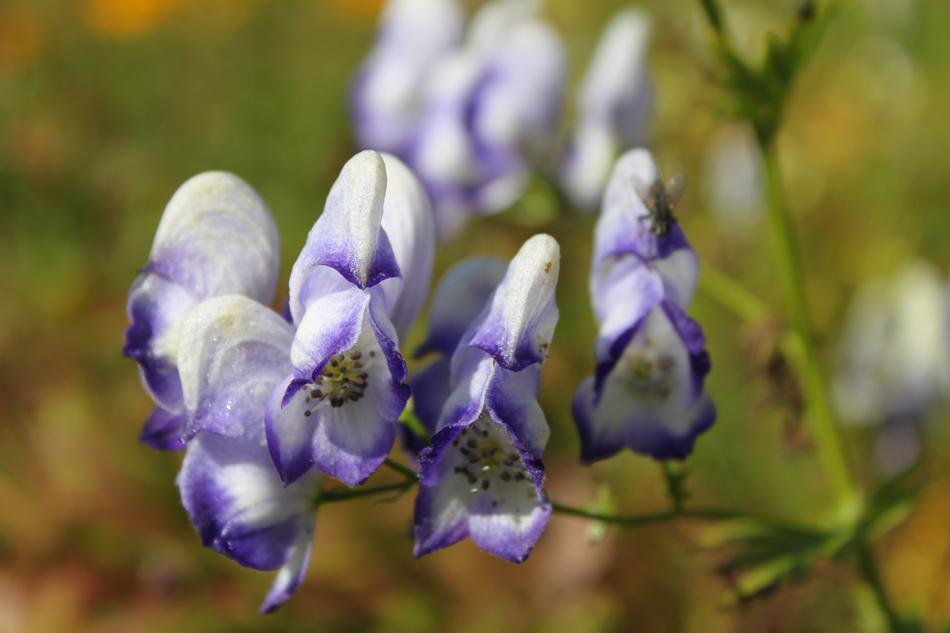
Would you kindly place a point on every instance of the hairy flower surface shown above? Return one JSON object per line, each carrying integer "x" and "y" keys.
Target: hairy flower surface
{"x": 647, "y": 391}
{"x": 614, "y": 107}
{"x": 229, "y": 486}
{"x": 482, "y": 476}
{"x": 216, "y": 237}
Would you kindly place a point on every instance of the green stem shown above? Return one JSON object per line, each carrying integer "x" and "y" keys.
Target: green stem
{"x": 823, "y": 427}
{"x": 731, "y": 295}
{"x": 675, "y": 476}
{"x": 345, "y": 494}
{"x": 638, "y": 520}
{"x": 873, "y": 579}
{"x": 695, "y": 514}
{"x": 405, "y": 471}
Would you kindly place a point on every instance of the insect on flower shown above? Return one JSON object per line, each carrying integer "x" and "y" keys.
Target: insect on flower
{"x": 661, "y": 200}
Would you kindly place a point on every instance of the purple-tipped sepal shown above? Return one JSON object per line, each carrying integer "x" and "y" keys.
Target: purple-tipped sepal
{"x": 216, "y": 237}
{"x": 482, "y": 476}
{"x": 242, "y": 509}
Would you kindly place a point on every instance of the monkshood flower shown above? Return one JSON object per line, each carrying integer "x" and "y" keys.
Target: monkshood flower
{"x": 614, "y": 108}
{"x": 458, "y": 299}
{"x": 413, "y": 36}
{"x": 336, "y": 382}
{"x": 490, "y": 110}
{"x": 647, "y": 391}
{"x": 216, "y": 237}
{"x": 893, "y": 363}
{"x": 237, "y": 352}
{"x": 482, "y": 476}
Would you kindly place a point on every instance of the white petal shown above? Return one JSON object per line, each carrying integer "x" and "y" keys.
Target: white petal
{"x": 233, "y": 352}
{"x": 407, "y": 221}
{"x": 217, "y": 236}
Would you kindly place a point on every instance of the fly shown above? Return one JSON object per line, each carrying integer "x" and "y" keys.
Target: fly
{"x": 661, "y": 200}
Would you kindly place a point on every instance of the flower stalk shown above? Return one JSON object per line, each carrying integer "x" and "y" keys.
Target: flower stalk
{"x": 824, "y": 429}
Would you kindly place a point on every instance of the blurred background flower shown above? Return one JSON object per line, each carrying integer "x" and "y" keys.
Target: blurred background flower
{"x": 97, "y": 131}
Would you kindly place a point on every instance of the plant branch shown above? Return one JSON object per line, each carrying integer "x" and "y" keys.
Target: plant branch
{"x": 346, "y": 494}
{"x": 823, "y": 426}
{"x": 403, "y": 470}
{"x": 695, "y": 514}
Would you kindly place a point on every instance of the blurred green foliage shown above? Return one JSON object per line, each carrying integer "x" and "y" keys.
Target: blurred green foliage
{"x": 106, "y": 106}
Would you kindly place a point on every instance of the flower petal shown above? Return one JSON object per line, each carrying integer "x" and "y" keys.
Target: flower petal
{"x": 625, "y": 225}
{"x": 289, "y": 433}
{"x": 407, "y": 221}
{"x": 615, "y": 87}
{"x": 519, "y": 324}
{"x": 233, "y": 352}
{"x": 218, "y": 237}
{"x": 586, "y": 163}
{"x": 513, "y": 533}
{"x": 331, "y": 325}
{"x": 623, "y": 292}
{"x": 475, "y": 481}
{"x": 470, "y": 377}
{"x": 388, "y": 342}
{"x": 350, "y": 442}
{"x": 347, "y": 237}
{"x": 512, "y": 400}
{"x": 156, "y": 308}
{"x": 520, "y": 101}
{"x": 652, "y": 399}
{"x": 164, "y": 430}
{"x": 293, "y": 571}
{"x": 413, "y": 36}
{"x": 240, "y": 507}
{"x": 460, "y": 296}
{"x": 441, "y": 516}
{"x": 496, "y": 19}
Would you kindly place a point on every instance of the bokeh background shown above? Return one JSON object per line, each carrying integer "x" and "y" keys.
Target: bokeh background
{"x": 106, "y": 106}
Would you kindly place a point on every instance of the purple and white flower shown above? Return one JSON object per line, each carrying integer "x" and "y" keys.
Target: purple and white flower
{"x": 413, "y": 36}
{"x": 228, "y": 483}
{"x": 216, "y": 237}
{"x": 333, "y": 380}
{"x": 615, "y": 107}
{"x": 647, "y": 391}
{"x": 457, "y": 301}
{"x": 482, "y": 476}
{"x": 247, "y": 481}
{"x": 893, "y": 364}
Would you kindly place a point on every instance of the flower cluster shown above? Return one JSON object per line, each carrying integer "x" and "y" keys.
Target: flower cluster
{"x": 258, "y": 399}
{"x": 265, "y": 404}
{"x": 647, "y": 391}
{"x": 476, "y": 114}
